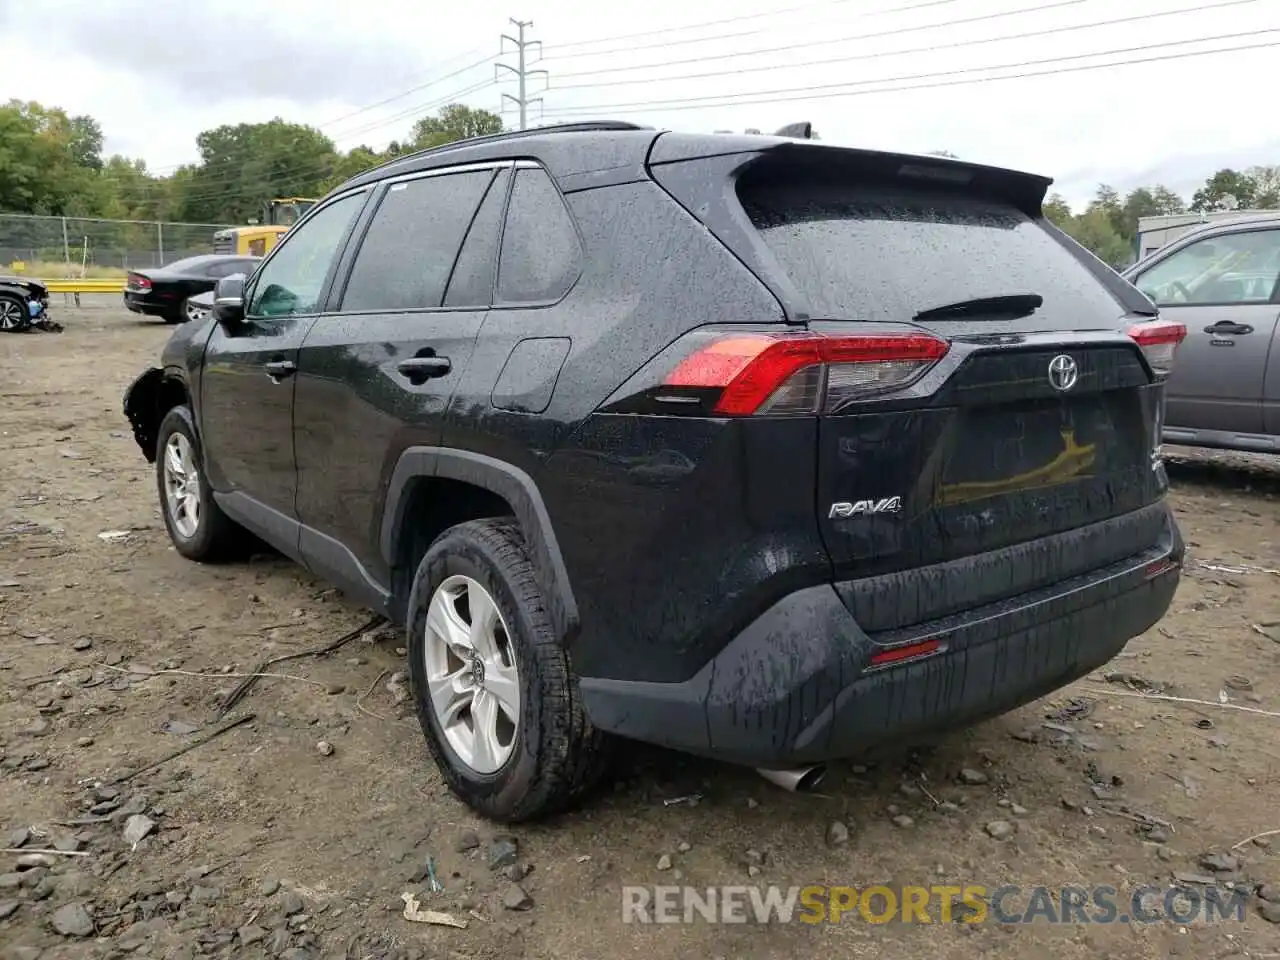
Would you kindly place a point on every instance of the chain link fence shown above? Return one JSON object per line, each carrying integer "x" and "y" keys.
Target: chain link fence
{"x": 58, "y": 247}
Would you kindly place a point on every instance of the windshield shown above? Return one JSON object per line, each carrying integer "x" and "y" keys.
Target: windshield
{"x": 887, "y": 254}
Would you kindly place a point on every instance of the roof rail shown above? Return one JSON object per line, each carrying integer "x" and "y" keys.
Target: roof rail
{"x": 579, "y": 127}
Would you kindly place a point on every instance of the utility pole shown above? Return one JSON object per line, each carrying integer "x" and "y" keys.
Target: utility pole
{"x": 522, "y": 71}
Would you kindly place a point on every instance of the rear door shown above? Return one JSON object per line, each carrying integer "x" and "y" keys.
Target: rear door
{"x": 377, "y": 371}
{"x": 1035, "y": 415}
{"x": 1223, "y": 288}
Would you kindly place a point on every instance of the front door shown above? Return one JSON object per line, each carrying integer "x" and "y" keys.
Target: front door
{"x": 377, "y": 371}
{"x": 246, "y": 394}
{"x": 1223, "y": 288}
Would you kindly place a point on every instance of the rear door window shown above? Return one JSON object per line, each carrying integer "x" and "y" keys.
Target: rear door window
{"x": 472, "y": 282}
{"x": 887, "y": 253}
{"x": 540, "y": 248}
{"x": 412, "y": 242}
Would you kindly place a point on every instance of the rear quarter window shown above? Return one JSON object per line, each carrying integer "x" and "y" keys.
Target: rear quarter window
{"x": 540, "y": 249}
{"x": 883, "y": 253}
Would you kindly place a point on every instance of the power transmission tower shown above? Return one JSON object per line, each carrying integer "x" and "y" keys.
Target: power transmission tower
{"x": 522, "y": 71}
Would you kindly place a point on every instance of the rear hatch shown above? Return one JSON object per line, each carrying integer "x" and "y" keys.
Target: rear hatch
{"x": 982, "y": 388}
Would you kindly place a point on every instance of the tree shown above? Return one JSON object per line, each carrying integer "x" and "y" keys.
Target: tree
{"x": 1058, "y": 211}
{"x": 1266, "y": 187}
{"x": 85, "y": 142}
{"x": 1095, "y": 230}
{"x": 455, "y": 122}
{"x": 244, "y": 166}
{"x": 1225, "y": 190}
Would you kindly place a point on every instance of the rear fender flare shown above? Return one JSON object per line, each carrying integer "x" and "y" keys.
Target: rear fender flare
{"x": 511, "y": 483}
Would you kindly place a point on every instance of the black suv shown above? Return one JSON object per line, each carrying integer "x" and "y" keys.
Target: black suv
{"x": 754, "y": 447}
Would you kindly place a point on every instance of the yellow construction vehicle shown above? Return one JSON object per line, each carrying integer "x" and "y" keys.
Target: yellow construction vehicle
{"x": 257, "y": 239}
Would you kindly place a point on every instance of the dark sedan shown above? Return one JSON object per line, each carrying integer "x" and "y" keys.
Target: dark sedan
{"x": 166, "y": 292}
{"x": 21, "y": 300}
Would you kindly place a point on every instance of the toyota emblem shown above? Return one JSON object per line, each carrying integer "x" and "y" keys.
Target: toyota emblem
{"x": 1063, "y": 373}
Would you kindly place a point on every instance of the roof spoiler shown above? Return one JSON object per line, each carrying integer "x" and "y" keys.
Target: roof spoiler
{"x": 799, "y": 131}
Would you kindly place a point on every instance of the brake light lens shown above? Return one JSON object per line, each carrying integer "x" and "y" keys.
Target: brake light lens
{"x": 804, "y": 373}
{"x": 139, "y": 282}
{"x": 1159, "y": 340}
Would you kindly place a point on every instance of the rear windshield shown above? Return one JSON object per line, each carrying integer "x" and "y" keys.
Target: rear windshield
{"x": 881, "y": 253}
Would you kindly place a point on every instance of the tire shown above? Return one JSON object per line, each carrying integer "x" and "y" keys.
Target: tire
{"x": 213, "y": 536}
{"x": 555, "y": 753}
{"x": 15, "y": 316}
{"x": 188, "y": 313}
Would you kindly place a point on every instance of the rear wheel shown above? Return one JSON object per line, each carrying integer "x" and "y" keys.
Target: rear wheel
{"x": 197, "y": 526}
{"x": 193, "y": 312}
{"x": 14, "y": 315}
{"x": 494, "y": 689}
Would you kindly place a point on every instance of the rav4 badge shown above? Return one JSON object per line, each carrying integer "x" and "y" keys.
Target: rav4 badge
{"x": 846, "y": 509}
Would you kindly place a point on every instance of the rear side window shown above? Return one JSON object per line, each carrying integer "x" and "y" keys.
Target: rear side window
{"x": 882, "y": 253}
{"x": 540, "y": 249}
{"x": 408, "y": 252}
{"x": 472, "y": 282}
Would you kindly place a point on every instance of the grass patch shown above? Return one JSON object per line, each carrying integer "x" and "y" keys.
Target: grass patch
{"x": 58, "y": 270}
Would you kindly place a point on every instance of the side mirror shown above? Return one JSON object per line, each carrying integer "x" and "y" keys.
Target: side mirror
{"x": 228, "y": 301}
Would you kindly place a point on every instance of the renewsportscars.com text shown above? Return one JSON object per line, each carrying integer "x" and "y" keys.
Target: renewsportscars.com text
{"x": 962, "y": 903}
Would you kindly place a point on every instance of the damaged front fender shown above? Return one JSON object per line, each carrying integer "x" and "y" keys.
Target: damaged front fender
{"x": 142, "y": 407}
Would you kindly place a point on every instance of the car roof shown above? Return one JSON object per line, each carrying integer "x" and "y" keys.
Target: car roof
{"x": 598, "y": 153}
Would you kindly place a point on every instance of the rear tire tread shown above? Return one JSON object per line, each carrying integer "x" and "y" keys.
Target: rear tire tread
{"x": 572, "y": 754}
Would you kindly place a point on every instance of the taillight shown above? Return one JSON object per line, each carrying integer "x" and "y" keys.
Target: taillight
{"x": 1159, "y": 340}
{"x": 139, "y": 282}
{"x": 758, "y": 373}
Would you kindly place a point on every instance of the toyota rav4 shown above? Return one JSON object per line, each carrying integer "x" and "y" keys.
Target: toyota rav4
{"x": 762, "y": 449}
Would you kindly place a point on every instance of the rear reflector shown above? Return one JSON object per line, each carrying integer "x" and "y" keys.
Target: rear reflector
{"x": 909, "y": 652}
{"x": 804, "y": 373}
{"x": 1159, "y": 340}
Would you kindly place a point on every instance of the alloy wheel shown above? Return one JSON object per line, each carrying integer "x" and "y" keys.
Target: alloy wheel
{"x": 472, "y": 678}
{"x": 182, "y": 486}
{"x": 11, "y": 315}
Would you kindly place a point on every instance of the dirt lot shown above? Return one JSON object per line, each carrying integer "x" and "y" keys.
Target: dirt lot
{"x": 114, "y": 652}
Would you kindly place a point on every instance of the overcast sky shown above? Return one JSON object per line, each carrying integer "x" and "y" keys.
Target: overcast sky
{"x": 157, "y": 72}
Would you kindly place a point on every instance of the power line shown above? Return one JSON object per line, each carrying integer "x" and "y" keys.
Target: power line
{"x": 932, "y": 48}
{"x": 737, "y": 19}
{"x": 417, "y": 110}
{"x": 411, "y": 90}
{"x": 979, "y": 18}
{"x": 809, "y": 44}
{"x": 810, "y": 93}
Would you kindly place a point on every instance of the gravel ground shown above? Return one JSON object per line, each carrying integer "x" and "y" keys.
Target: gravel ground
{"x": 296, "y": 834}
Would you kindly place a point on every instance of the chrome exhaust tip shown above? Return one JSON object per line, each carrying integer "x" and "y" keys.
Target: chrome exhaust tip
{"x": 797, "y": 780}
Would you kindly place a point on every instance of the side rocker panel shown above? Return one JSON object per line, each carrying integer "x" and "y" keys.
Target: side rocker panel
{"x": 513, "y": 485}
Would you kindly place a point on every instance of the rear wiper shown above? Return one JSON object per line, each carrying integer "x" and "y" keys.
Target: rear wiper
{"x": 1009, "y": 305}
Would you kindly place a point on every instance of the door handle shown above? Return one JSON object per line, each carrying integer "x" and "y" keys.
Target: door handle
{"x": 421, "y": 369}
{"x": 277, "y": 370}
{"x": 1227, "y": 326}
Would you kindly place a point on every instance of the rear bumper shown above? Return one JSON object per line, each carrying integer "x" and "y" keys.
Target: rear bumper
{"x": 794, "y": 687}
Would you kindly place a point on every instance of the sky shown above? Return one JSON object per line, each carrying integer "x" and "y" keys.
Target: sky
{"x": 882, "y": 74}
